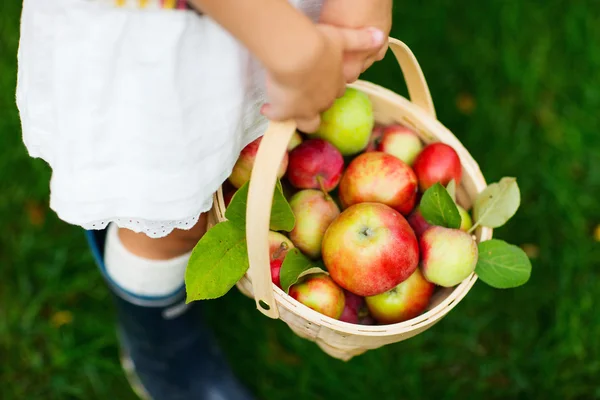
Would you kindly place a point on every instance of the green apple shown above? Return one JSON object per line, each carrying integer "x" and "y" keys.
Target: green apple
{"x": 448, "y": 256}
{"x": 321, "y": 293}
{"x": 348, "y": 123}
{"x": 294, "y": 141}
{"x": 465, "y": 219}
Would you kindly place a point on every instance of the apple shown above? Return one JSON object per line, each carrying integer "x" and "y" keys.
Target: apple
{"x": 375, "y": 138}
{"x": 370, "y": 248}
{"x": 348, "y": 123}
{"x": 407, "y": 207}
{"x": 315, "y": 164}
{"x": 314, "y": 211}
{"x": 243, "y": 166}
{"x": 407, "y": 300}
{"x": 228, "y": 192}
{"x": 279, "y": 245}
{"x": 321, "y": 293}
{"x": 448, "y": 256}
{"x": 377, "y": 177}
{"x": 355, "y": 310}
{"x": 402, "y": 142}
{"x": 437, "y": 162}
{"x": 294, "y": 141}
{"x": 465, "y": 219}
{"x": 417, "y": 222}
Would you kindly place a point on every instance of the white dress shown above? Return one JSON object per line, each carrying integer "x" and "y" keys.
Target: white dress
{"x": 140, "y": 113}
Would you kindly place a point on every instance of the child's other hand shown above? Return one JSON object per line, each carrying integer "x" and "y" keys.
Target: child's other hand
{"x": 359, "y": 14}
{"x": 310, "y": 87}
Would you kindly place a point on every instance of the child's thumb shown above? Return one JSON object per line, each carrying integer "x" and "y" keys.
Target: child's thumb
{"x": 362, "y": 39}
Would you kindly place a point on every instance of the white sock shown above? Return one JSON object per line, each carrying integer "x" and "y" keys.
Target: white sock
{"x": 140, "y": 276}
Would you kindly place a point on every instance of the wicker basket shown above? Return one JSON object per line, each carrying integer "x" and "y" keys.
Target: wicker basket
{"x": 339, "y": 339}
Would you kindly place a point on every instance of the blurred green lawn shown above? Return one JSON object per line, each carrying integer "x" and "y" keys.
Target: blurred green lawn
{"x": 518, "y": 83}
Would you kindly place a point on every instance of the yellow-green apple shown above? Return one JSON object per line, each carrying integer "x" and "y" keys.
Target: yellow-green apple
{"x": 465, "y": 219}
{"x": 417, "y": 222}
{"x": 315, "y": 164}
{"x": 407, "y": 300}
{"x": 348, "y": 123}
{"x": 314, "y": 211}
{"x": 321, "y": 293}
{"x": 243, "y": 166}
{"x": 279, "y": 245}
{"x": 437, "y": 162}
{"x": 377, "y": 177}
{"x": 294, "y": 141}
{"x": 402, "y": 142}
{"x": 370, "y": 248}
{"x": 448, "y": 256}
{"x": 375, "y": 138}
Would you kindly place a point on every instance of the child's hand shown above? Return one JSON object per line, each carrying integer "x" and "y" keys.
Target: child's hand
{"x": 308, "y": 88}
{"x": 359, "y": 14}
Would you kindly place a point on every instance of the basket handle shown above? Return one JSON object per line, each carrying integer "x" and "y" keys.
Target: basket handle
{"x": 264, "y": 177}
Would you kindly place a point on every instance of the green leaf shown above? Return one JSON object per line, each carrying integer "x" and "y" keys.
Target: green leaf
{"x": 497, "y": 203}
{"x": 438, "y": 208}
{"x": 218, "y": 261}
{"x": 282, "y": 217}
{"x": 295, "y": 266}
{"x": 451, "y": 188}
{"x": 502, "y": 265}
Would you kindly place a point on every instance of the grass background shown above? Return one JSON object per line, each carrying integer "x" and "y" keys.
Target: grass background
{"x": 518, "y": 83}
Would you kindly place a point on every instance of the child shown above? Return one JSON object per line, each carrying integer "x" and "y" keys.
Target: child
{"x": 141, "y": 108}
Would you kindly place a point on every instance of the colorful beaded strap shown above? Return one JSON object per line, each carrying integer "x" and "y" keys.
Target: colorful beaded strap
{"x": 166, "y": 4}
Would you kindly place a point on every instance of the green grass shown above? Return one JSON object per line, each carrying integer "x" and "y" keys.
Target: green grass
{"x": 531, "y": 70}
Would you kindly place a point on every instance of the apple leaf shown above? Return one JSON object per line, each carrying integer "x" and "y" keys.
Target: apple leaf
{"x": 497, "y": 203}
{"x": 218, "y": 261}
{"x": 502, "y": 265}
{"x": 438, "y": 208}
{"x": 295, "y": 266}
{"x": 451, "y": 188}
{"x": 282, "y": 217}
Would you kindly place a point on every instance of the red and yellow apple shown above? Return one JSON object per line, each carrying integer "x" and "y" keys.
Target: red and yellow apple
{"x": 401, "y": 142}
{"x": 407, "y": 300}
{"x": 242, "y": 169}
{"x": 314, "y": 211}
{"x": 409, "y": 205}
{"x": 321, "y": 293}
{"x": 375, "y": 138}
{"x": 315, "y": 164}
{"x": 448, "y": 256}
{"x": 377, "y": 177}
{"x": 417, "y": 222}
{"x": 369, "y": 249}
{"x": 279, "y": 245}
{"x": 437, "y": 162}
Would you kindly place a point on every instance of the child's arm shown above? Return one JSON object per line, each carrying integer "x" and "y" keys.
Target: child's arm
{"x": 304, "y": 61}
{"x": 359, "y": 14}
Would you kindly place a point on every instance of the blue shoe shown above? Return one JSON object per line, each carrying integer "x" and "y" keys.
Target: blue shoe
{"x": 167, "y": 352}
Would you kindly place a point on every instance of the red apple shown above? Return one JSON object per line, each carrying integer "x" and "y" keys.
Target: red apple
{"x": 377, "y": 177}
{"x": 294, "y": 141}
{"x": 406, "y": 208}
{"x": 417, "y": 222}
{"x": 279, "y": 245}
{"x": 315, "y": 164}
{"x": 320, "y": 292}
{"x": 375, "y": 138}
{"x": 407, "y": 300}
{"x": 448, "y": 256}
{"x": 370, "y": 248}
{"x": 438, "y": 162}
{"x": 243, "y": 166}
{"x": 314, "y": 211}
{"x": 402, "y": 142}
{"x": 355, "y": 310}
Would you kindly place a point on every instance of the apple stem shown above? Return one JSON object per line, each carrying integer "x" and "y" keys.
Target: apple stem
{"x": 322, "y": 185}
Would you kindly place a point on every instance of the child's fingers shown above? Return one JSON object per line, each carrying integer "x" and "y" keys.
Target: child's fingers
{"x": 309, "y": 125}
{"x": 361, "y": 39}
